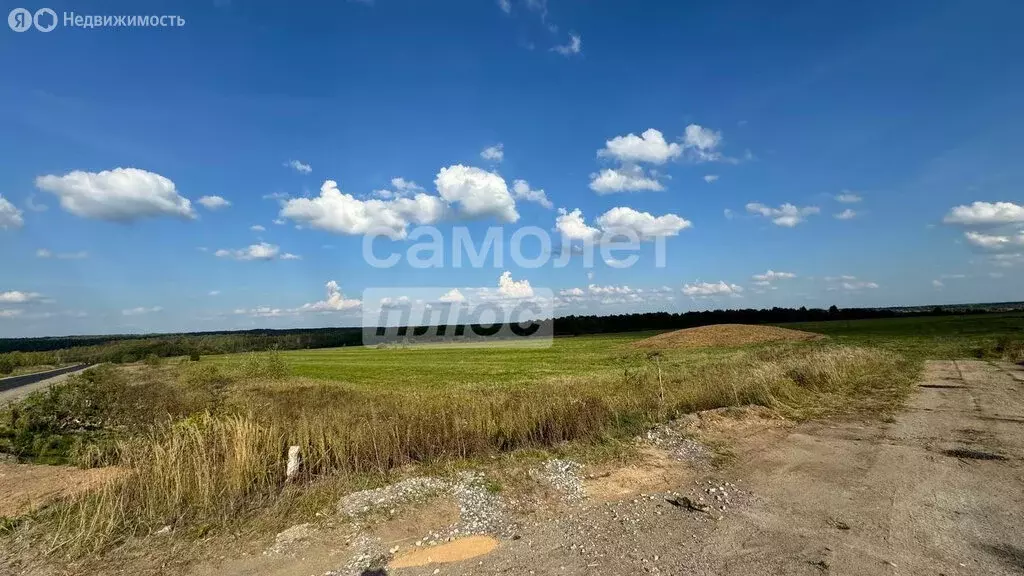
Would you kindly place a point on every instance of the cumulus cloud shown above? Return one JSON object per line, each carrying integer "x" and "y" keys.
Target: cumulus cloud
{"x": 575, "y": 46}
{"x": 650, "y": 146}
{"x": 300, "y": 167}
{"x": 335, "y": 301}
{"x": 643, "y": 224}
{"x": 141, "y": 310}
{"x": 494, "y": 153}
{"x": 19, "y": 297}
{"x": 477, "y": 192}
{"x": 341, "y": 213}
{"x": 711, "y": 178}
{"x": 702, "y": 143}
{"x": 44, "y": 253}
{"x": 621, "y": 219}
{"x": 30, "y": 203}
{"x": 261, "y": 251}
{"x": 257, "y": 228}
{"x": 786, "y": 215}
{"x": 521, "y": 191}
{"x": 847, "y": 197}
{"x": 721, "y": 288}
{"x": 846, "y": 215}
{"x": 994, "y": 241}
{"x": 572, "y": 226}
{"x": 402, "y": 189}
{"x": 986, "y": 213}
{"x": 630, "y": 178}
{"x": 10, "y": 215}
{"x": 452, "y": 296}
{"x": 214, "y": 202}
{"x": 121, "y": 194}
{"x": 509, "y": 288}
{"x": 571, "y": 293}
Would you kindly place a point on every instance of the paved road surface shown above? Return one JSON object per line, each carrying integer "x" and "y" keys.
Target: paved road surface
{"x": 16, "y": 387}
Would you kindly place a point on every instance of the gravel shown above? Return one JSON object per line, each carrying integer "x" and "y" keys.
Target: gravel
{"x": 564, "y": 476}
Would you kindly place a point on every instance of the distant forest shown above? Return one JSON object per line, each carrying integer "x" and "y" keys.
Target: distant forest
{"x": 130, "y": 348}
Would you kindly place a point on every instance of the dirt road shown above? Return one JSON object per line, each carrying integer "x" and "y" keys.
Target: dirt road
{"x": 938, "y": 491}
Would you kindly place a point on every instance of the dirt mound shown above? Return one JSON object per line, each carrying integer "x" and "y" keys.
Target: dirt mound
{"x": 725, "y": 335}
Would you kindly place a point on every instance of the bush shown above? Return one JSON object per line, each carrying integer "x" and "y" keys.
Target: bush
{"x": 263, "y": 366}
{"x": 152, "y": 360}
{"x": 6, "y": 365}
{"x": 193, "y": 357}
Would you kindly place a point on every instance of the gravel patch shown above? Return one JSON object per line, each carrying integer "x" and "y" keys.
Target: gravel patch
{"x": 564, "y": 476}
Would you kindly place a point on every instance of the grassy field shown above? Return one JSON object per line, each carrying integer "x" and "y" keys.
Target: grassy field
{"x": 202, "y": 444}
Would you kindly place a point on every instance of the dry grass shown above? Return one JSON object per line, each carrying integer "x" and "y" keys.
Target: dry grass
{"x": 216, "y": 467}
{"x": 725, "y": 335}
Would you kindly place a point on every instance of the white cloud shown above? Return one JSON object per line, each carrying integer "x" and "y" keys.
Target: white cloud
{"x": 11, "y": 313}
{"x": 986, "y": 213}
{"x": 571, "y": 293}
{"x": 10, "y": 215}
{"x": 702, "y": 143}
{"x": 712, "y": 289}
{"x": 342, "y": 213}
{"x": 19, "y": 297}
{"x": 711, "y": 178}
{"x": 521, "y": 191}
{"x": 479, "y": 193}
{"x": 786, "y": 215}
{"x": 277, "y": 196}
{"x": 847, "y": 197}
{"x": 265, "y": 312}
{"x": 937, "y": 283}
{"x": 257, "y": 228}
{"x": 261, "y": 251}
{"x": 214, "y": 292}
{"x": 849, "y": 283}
{"x": 30, "y": 203}
{"x": 994, "y": 241}
{"x": 44, "y": 253}
{"x": 453, "y": 296}
{"x": 505, "y": 5}
{"x": 573, "y": 227}
{"x": 645, "y": 225}
{"x": 574, "y": 46}
{"x": 141, "y": 310}
{"x": 121, "y": 194}
{"x": 299, "y": 167}
{"x": 214, "y": 202}
{"x": 629, "y": 178}
{"x": 494, "y": 153}
{"x": 650, "y": 146}
{"x": 846, "y": 215}
{"x": 509, "y": 288}
{"x": 279, "y": 221}
{"x": 860, "y": 285}
{"x": 772, "y": 275}
{"x": 729, "y": 215}
{"x": 1007, "y": 260}
{"x": 335, "y": 301}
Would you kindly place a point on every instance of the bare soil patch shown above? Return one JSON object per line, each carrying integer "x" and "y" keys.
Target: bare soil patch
{"x": 25, "y": 487}
{"x": 725, "y": 335}
{"x": 454, "y": 551}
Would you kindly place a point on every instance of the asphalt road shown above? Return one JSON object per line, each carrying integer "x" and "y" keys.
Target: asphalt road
{"x": 17, "y": 386}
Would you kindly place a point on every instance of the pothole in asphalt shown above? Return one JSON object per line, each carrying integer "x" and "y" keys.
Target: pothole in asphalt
{"x": 972, "y": 454}
{"x": 454, "y": 551}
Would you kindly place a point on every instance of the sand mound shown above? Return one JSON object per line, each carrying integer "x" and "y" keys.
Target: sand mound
{"x": 725, "y": 335}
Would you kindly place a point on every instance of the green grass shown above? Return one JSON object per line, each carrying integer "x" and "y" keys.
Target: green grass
{"x": 927, "y": 337}
{"x": 459, "y": 366}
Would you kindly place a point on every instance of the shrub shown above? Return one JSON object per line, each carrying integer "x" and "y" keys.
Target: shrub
{"x": 6, "y": 365}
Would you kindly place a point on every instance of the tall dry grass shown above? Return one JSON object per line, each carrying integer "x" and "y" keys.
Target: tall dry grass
{"x": 214, "y": 467}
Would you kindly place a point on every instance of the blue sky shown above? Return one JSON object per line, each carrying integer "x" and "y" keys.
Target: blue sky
{"x": 731, "y": 130}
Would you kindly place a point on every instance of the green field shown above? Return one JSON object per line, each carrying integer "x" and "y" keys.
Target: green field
{"x": 448, "y": 367}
